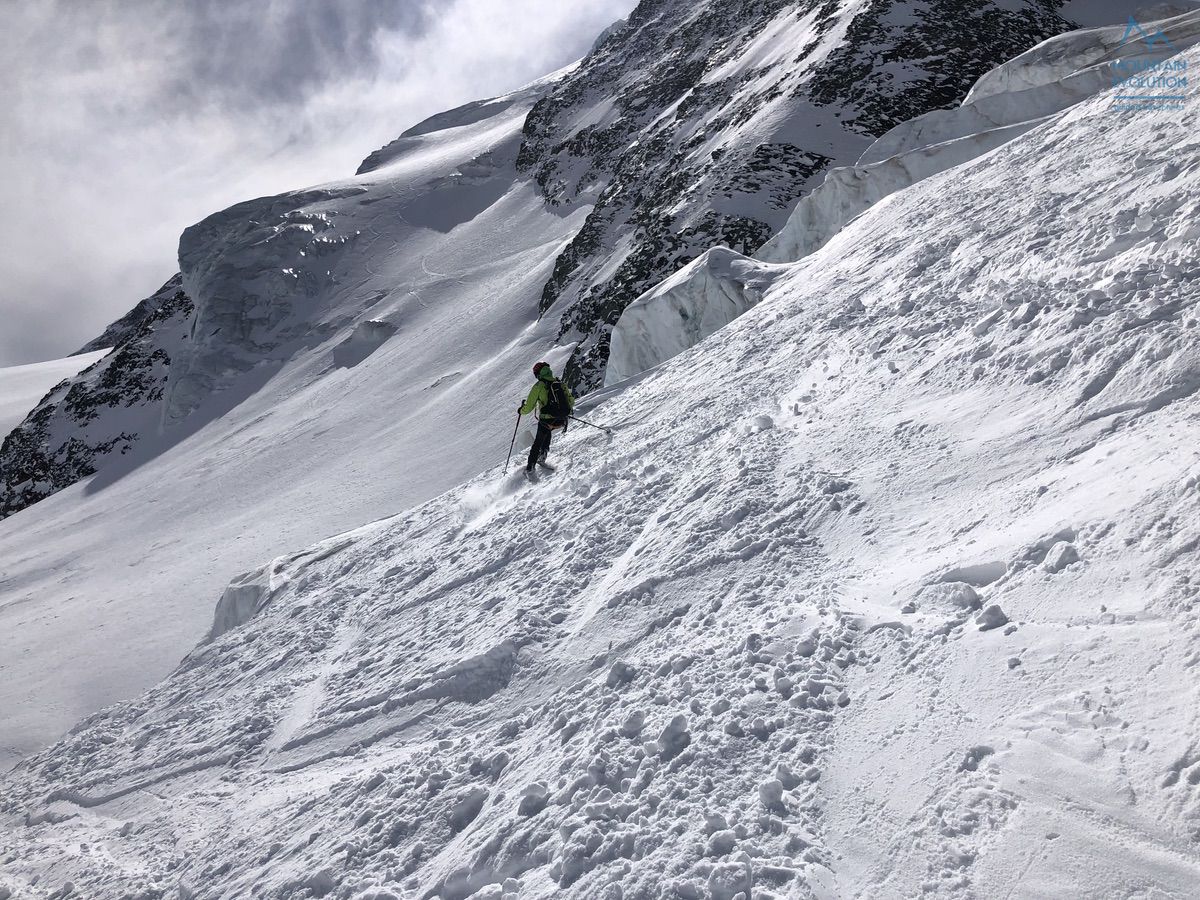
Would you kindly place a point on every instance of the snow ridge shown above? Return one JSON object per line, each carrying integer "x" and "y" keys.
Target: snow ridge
{"x": 1016, "y": 96}
{"x": 703, "y": 296}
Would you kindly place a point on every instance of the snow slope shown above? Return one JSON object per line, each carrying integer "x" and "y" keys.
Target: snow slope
{"x": 356, "y": 348}
{"x": 21, "y": 387}
{"x": 391, "y": 379}
{"x": 885, "y": 589}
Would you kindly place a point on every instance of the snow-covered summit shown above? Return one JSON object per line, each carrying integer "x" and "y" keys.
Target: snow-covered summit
{"x": 916, "y": 618}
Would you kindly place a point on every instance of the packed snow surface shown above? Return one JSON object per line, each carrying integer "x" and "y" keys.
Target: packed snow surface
{"x": 886, "y": 589}
{"x": 21, "y": 387}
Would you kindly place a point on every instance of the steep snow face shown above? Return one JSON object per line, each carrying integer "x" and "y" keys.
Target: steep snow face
{"x": 281, "y": 275}
{"x": 703, "y": 123}
{"x": 885, "y": 589}
{"x": 21, "y": 387}
{"x": 1088, "y": 48}
{"x": 352, "y": 346}
{"x": 99, "y": 414}
{"x": 1005, "y": 103}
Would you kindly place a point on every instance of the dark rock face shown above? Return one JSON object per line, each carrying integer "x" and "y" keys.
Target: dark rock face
{"x": 99, "y": 412}
{"x": 126, "y": 327}
{"x": 891, "y": 69}
{"x": 702, "y": 123}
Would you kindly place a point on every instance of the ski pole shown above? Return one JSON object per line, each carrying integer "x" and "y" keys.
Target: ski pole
{"x": 585, "y": 422}
{"x": 508, "y": 458}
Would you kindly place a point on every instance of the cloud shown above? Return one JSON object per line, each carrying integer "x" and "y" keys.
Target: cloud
{"x": 124, "y": 121}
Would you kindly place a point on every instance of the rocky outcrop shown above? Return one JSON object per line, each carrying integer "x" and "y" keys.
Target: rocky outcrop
{"x": 101, "y": 412}
{"x": 702, "y": 124}
{"x": 126, "y": 327}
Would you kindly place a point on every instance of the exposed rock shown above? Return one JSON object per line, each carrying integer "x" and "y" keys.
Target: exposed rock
{"x": 100, "y": 413}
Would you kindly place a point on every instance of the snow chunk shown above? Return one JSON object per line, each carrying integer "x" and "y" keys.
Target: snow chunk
{"x": 722, "y": 843}
{"x": 534, "y": 798}
{"x": 948, "y": 597}
{"x": 992, "y": 617}
{"x": 973, "y": 757}
{"x": 984, "y": 325}
{"x": 1060, "y": 556}
{"x": 632, "y": 726}
{"x": 245, "y": 597}
{"x": 467, "y": 807}
{"x": 620, "y": 673}
{"x": 728, "y": 880}
{"x": 674, "y": 738}
{"x": 770, "y": 794}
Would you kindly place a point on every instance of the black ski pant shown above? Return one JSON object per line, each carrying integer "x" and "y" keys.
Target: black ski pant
{"x": 541, "y": 445}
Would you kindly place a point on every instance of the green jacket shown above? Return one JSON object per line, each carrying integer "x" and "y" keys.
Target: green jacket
{"x": 539, "y": 395}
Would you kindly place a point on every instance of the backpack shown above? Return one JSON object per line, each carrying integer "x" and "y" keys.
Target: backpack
{"x": 556, "y": 408}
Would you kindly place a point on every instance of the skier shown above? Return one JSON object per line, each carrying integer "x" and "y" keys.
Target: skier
{"x": 555, "y": 403}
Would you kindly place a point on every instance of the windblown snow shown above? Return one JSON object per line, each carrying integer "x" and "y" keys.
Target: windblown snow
{"x": 886, "y": 588}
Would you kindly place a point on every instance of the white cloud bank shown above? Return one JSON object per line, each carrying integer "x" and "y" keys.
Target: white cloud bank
{"x": 123, "y": 122}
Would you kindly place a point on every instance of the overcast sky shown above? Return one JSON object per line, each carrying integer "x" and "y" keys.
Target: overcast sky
{"x": 124, "y": 121}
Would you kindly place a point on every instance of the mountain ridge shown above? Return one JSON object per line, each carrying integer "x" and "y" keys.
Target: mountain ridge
{"x": 916, "y": 617}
